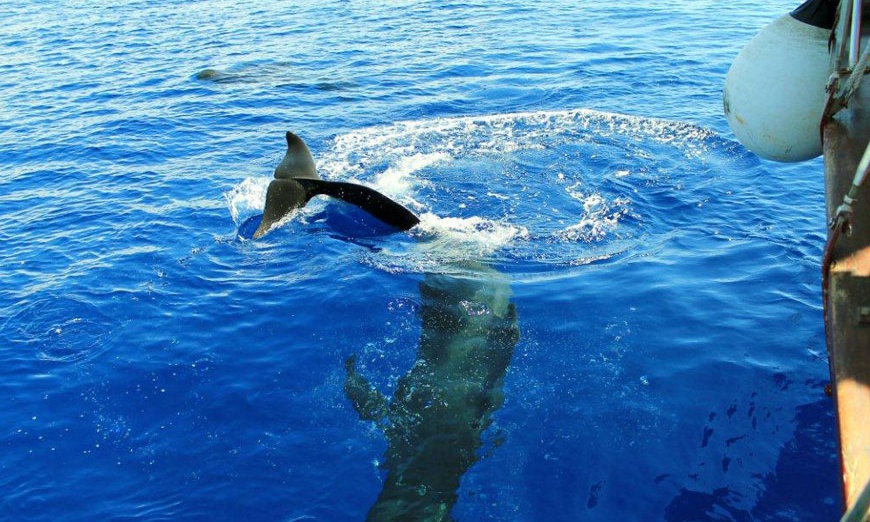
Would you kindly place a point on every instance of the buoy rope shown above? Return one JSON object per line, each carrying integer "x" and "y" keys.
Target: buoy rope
{"x": 839, "y": 93}
{"x": 855, "y": 76}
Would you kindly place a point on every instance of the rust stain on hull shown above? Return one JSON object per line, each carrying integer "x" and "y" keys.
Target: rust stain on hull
{"x": 848, "y": 296}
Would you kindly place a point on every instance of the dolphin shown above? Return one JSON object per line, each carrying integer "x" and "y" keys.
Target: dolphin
{"x": 296, "y": 182}
{"x": 441, "y": 407}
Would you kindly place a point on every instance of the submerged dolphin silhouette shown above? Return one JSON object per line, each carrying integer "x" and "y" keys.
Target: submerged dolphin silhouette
{"x": 442, "y": 406}
{"x": 296, "y": 182}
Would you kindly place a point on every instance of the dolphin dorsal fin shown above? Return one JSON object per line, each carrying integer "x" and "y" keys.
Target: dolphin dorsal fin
{"x": 298, "y": 161}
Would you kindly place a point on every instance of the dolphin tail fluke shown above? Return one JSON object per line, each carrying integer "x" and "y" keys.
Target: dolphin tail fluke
{"x": 370, "y": 200}
{"x": 369, "y": 403}
{"x": 282, "y": 196}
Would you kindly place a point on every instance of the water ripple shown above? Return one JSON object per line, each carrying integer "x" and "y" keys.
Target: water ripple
{"x": 60, "y": 329}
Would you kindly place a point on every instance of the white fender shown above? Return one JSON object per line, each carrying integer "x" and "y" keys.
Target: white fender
{"x": 775, "y": 90}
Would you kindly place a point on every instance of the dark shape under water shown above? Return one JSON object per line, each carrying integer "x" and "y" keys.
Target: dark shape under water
{"x": 296, "y": 182}
{"x": 436, "y": 418}
{"x": 209, "y": 74}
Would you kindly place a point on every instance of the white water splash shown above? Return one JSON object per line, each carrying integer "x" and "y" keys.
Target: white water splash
{"x": 535, "y": 188}
{"x": 247, "y": 198}
{"x": 473, "y": 237}
{"x": 507, "y": 133}
{"x": 398, "y": 180}
{"x": 599, "y": 219}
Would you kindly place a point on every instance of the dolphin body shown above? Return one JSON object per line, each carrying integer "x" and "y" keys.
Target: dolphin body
{"x": 296, "y": 181}
{"x": 442, "y": 406}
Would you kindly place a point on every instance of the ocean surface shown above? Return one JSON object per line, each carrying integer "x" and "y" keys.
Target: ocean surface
{"x": 577, "y": 184}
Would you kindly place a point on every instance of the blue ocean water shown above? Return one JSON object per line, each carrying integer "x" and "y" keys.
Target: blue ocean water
{"x": 569, "y": 158}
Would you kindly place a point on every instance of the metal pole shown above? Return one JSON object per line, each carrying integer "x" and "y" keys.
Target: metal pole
{"x": 855, "y": 34}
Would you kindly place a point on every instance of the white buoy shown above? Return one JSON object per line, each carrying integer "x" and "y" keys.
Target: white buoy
{"x": 775, "y": 90}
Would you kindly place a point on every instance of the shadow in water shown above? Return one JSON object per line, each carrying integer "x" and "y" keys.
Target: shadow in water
{"x": 784, "y": 493}
{"x": 436, "y": 418}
